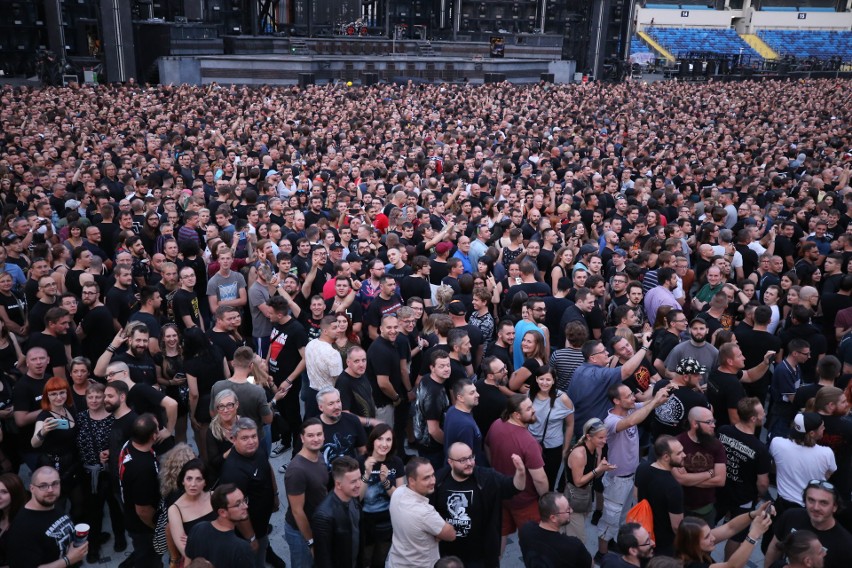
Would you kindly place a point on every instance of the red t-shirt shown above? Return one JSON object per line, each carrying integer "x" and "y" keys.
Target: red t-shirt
{"x": 505, "y": 439}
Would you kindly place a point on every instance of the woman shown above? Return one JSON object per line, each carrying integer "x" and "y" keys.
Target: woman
{"x": 561, "y": 266}
{"x": 75, "y": 236}
{"x": 191, "y": 508}
{"x": 10, "y": 350}
{"x": 513, "y": 249}
{"x": 802, "y": 549}
{"x": 555, "y": 413}
{"x": 381, "y": 474}
{"x": 218, "y": 442}
{"x": 13, "y": 497}
{"x": 204, "y": 365}
{"x": 171, "y": 375}
{"x": 535, "y": 356}
{"x": 13, "y": 307}
{"x": 346, "y": 338}
{"x": 150, "y": 231}
{"x": 55, "y": 438}
{"x": 695, "y": 540}
{"x": 93, "y": 434}
{"x": 771, "y": 297}
{"x": 79, "y": 372}
{"x": 170, "y": 468}
{"x": 585, "y": 462}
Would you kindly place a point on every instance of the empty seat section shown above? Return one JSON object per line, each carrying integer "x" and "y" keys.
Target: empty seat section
{"x": 809, "y": 43}
{"x": 682, "y": 40}
{"x": 639, "y": 46}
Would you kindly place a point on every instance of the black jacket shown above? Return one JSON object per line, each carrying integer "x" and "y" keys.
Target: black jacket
{"x": 494, "y": 487}
{"x": 332, "y": 527}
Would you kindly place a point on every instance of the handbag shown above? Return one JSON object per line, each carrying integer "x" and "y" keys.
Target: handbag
{"x": 160, "y": 543}
{"x": 580, "y": 498}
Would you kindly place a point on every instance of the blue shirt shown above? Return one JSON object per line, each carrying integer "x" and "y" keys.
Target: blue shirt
{"x": 521, "y": 328}
{"x": 466, "y": 263}
{"x": 587, "y": 391}
{"x": 460, "y": 426}
{"x": 16, "y": 273}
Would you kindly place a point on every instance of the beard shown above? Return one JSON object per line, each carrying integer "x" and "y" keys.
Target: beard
{"x": 697, "y": 340}
{"x": 705, "y": 440}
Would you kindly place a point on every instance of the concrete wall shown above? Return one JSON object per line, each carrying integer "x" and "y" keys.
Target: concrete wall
{"x": 795, "y": 20}
{"x": 685, "y": 18}
{"x": 752, "y": 19}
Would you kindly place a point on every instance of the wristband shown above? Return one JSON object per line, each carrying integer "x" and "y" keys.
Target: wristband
{"x": 253, "y": 538}
{"x": 750, "y": 540}
{"x": 111, "y": 349}
{"x": 309, "y": 542}
{"x": 67, "y": 562}
{"x": 595, "y": 472}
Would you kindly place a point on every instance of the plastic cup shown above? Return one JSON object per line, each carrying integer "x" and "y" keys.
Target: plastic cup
{"x": 81, "y": 533}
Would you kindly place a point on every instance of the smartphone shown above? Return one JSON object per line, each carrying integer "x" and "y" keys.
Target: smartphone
{"x": 62, "y": 424}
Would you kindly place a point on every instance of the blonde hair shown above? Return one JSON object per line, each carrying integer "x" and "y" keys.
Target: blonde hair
{"x": 173, "y": 461}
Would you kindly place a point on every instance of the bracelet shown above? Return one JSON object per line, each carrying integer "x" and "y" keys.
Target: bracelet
{"x": 40, "y": 435}
{"x": 750, "y": 540}
{"x": 365, "y": 478}
{"x": 386, "y": 484}
{"x": 67, "y": 562}
{"x": 111, "y": 349}
{"x": 595, "y": 472}
{"x": 749, "y": 515}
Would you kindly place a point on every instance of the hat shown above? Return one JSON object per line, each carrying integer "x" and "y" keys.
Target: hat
{"x": 354, "y": 257}
{"x": 805, "y": 422}
{"x": 690, "y": 366}
{"x": 271, "y": 173}
{"x": 443, "y": 247}
{"x": 620, "y": 252}
{"x": 11, "y": 238}
{"x": 457, "y": 308}
{"x": 587, "y": 249}
{"x": 336, "y": 246}
{"x": 72, "y": 204}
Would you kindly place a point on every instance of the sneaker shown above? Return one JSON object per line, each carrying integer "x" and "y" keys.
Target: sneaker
{"x": 277, "y": 450}
{"x": 596, "y": 516}
{"x": 283, "y": 469}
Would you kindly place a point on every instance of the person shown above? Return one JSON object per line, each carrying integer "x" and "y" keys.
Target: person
{"x": 430, "y": 406}
{"x": 42, "y": 533}
{"x": 786, "y": 378}
{"x": 584, "y": 462}
{"x": 248, "y": 467}
{"x": 492, "y": 399}
{"x": 592, "y": 379}
{"x": 13, "y": 497}
{"x": 683, "y": 397}
{"x": 140, "y": 489}
{"x": 819, "y": 515}
{"x": 384, "y": 371}
{"x": 725, "y": 383}
{"x": 204, "y": 365}
{"x": 93, "y": 433}
{"x": 636, "y": 547}
{"x": 336, "y": 520}
{"x": 217, "y": 540}
{"x": 543, "y": 544}
{"x": 381, "y": 475}
{"x": 800, "y": 458}
{"x": 26, "y": 401}
{"x": 459, "y": 424}
{"x": 322, "y": 363}
{"x": 417, "y": 526}
{"x": 695, "y": 539}
{"x": 343, "y": 433}
{"x": 191, "y": 508}
{"x": 655, "y": 482}
{"x": 218, "y": 440}
{"x": 704, "y": 465}
{"x": 696, "y": 347}
{"x": 556, "y": 417}
{"x": 306, "y": 481}
{"x": 467, "y": 495}
{"x": 803, "y": 550}
{"x": 356, "y": 394}
{"x": 510, "y": 436}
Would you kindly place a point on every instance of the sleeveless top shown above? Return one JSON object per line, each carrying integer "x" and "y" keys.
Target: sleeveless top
{"x": 551, "y": 421}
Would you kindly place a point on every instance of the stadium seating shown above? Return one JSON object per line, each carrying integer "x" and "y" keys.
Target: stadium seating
{"x": 682, "y": 40}
{"x": 639, "y": 46}
{"x": 805, "y": 44}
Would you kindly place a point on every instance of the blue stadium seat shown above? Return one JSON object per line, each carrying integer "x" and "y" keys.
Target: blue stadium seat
{"x": 639, "y": 46}
{"x": 778, "y": 8}
{"x": 663, "y": 6}
{"x": 681, "y": 40}
{"x": 808, "y": 43}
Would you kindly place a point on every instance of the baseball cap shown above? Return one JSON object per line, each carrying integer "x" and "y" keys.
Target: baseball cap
{"x": 690, "y": 366}
{"x": 72, "y": 204}
{"x": 457, "y": 308}
{"x": 805, "y": 422}
{"x": 620, "y": 252}
{"x": 354, "y": 257}
{"x": 272, "y": 173}
{"x": 11, "y": 239}
{"x": 587, "y": 249}
{"x": 336, "y": 246}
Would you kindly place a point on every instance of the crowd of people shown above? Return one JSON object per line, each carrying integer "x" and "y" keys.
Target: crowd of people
{"x": 606, "y": 318}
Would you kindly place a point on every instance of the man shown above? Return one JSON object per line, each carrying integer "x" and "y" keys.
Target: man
{"x": 26, "y": 401}
{"x": 149, "y": 311}
{"x": 818, "y": 516}
{"x": 459, "y": 424}
{"x": 468, "y": 496}
{"x": 322, "y": 363}
{"x": 755, "y": 342}
{"x": 696, "y": 347}
{"x": 510, "y": 436}
{"x": 501, "y": 347}
{"x": 385, "y": 303}
{"x": 384, "y": 371}
{"x": 225, "y": 332}
{"x": 247, "y": 466}
{"x": 42, "y": 535}
{"x": 140, "y": 489}
{"x": 356, "y": 394}
{"x": 286, "y": 361}
{"x": 305, "y": 481}
{"x": 226, "y": 288}
{"x": 417, "y": 526}
{"x": 252, "y": 397}
{"x": 655, "y": 482}
{"x": 662, "y": 294}
{"x": 622, "y": 428}
{"x": 216, "y": 541}
{"x": 336, "y": 521}
{"x": 544, "y": 544}
{"x": 636, "y": 547}
{"x": 725, "y": 384}
{"x": 185, "y": 302}
{"x": 786, "y": 378}
{"x": 492, "y": 389}
{"x": 143, "y": 369}
{"x": 704, "y": 465}
{"x": 747, "y": 467}
{"x": 536, "y": 311}
{"x": 460, "y": 345}
{"x": 48, "y": 297}
{"x": 592, "y": 379}
{"x": 430, "y": 404}
{"x": 56, "y": 324}
{"x": 261, "y": 314}
{"x": 121, "y": 297}
{"x": 343, "y": 433}
{"x": 714, "y": 285}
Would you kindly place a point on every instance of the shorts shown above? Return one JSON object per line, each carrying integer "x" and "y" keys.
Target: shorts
{"x": 516, "y": 517}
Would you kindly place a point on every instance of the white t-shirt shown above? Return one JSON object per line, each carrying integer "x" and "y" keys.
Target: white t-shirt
{"x": 796, "y": 465}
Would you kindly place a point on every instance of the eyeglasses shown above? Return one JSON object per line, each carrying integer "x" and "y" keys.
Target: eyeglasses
{"x": 113, "y": 373}
{"x": 468, "y": 459}
{"x": 47, "y": 486}
{"x": 226, "y": 406}
{"x": 820, "y": 483}
{"x": 648, "y": 543}
{"x": 711, "y": 421}
{"x": 600, "y": 353}
{"x": 804, "y": 353}
{"x": 244, "y": 502}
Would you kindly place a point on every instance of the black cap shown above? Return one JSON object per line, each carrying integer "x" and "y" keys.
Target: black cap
{"x": 336, "y": 246}
{"x": 11, "y": 238}
{"x": 354, "y": 257}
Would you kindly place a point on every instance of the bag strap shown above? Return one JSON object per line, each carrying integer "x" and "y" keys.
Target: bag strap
{"x": 546, "y": 422}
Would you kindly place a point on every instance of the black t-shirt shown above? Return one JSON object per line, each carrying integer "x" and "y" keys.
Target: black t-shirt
{"x": 356, "y": 395}
{"x": 218, "y": 547}
{"x": 613, "y": 560}
{"x": 412, "y": 286}
{"x": 26, "y": 396}
{"x": 36, "y": 316}
{"x": 139, "y": 485}
{"x": 837, "y": 540}
{"x": 119, "y": 434}
{"x": 665, "y": 495}
{"x": 144, "y": 398}
{"x": 640, "y": 380}
{"x": 492, "y": 402}
{"x": 379, "y": 307}
{"x": 143, "y": 370}
{"x": 502, "y": 353}
{"x": 99, "y": 330}
{"x": 431, "y": 404}
{"x": 724, "y": 391}
{"x": 186, "y": 304}
{"x": 54, "y": 347}
{"x": 838, "y": 437}
{"x": 285, "y": 341}
{"x": 755, "y": 345}
{"x": 533, "y": 290}
{"x": 307, "y": 478}
{"x": 383, "y": 359}
{"x": 669, "y": 416}
{"x": 342, "y": 438}
{"x": 39, "y": 537}
{"x": 437, "y": 271}
{"x": 548, "y": 549}
{"x": 226, "y": 342}
{"x": 354, "y": 311}
{"x": 460, "y": 504}
{"x": 253, "y": 475}
{"x": 747, "y": 457}
{"x": 16, "y": 307}
{"x": 150, "y": 321}
{"x": 121, "y": 303}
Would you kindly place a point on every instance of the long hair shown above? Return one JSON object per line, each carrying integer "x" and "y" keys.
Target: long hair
{"x": 378, "y": 431}
{"x": 535, "y": 389}
{"x": 18, "y": 494}
{"x": 539, "y": 352}
{"x": 54, "y": 384}
{"x": 688, "y": 541}
{"x": 171, "y": 466}
{"x": 195, "y": 344}
{"x": 169, "y": 369}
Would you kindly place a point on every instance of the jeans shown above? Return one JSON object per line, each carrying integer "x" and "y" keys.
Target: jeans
{"x": 266, "y": 440}
{"x": 144, "y": 555}
{"x": 300, "y": 553}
